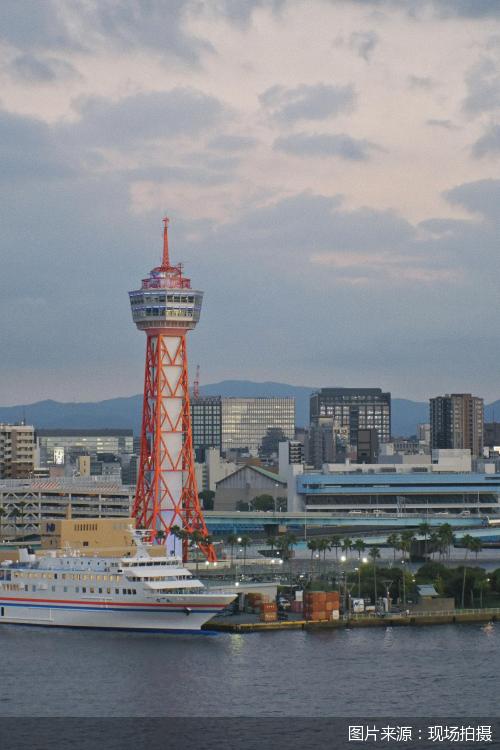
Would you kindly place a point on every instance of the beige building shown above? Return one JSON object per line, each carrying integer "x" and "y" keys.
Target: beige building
{"x": 17, "y": 451}
{"x": 85, "y": 534}
{"x": 83, "y": 466}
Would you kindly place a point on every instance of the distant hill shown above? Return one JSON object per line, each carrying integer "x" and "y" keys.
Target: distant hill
{"x": 126, "y": 412}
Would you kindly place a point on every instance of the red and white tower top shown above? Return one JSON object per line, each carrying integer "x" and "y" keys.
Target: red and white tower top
{"x": 165, "y": 300}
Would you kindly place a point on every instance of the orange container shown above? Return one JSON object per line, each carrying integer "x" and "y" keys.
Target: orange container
{"x": 268, "y": 617}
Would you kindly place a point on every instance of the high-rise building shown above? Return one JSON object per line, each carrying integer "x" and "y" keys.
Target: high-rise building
{"x": 206, "y": 420}
{"x": 17, "y": 451}
{"x": 246, "y": 422}
{"x": 424, "y": 436}
{"x": 348, "y": 410}
{"x": 457, "y": 421}
{"x": 320, "y": 446}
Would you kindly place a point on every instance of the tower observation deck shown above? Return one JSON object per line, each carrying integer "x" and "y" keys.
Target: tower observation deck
{"x": 166, "y": 308}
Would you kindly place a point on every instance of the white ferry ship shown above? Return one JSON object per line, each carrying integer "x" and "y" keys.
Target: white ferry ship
{"x": 136, "y": 592}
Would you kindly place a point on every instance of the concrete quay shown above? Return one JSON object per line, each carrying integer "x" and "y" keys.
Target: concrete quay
{"x": 240, "y": 624}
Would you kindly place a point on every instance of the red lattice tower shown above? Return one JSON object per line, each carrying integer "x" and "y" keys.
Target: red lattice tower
{"x": 166, "y": 308}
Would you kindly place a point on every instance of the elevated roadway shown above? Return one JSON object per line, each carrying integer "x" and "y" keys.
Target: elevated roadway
{"x": 236, "y": 522}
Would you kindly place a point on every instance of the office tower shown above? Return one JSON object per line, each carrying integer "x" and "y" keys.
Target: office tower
{"x": 247, "y": 422}
{"x": 457, "y": 421}
{"x": 348, "y": 410}
{"x": 206, "y": 420}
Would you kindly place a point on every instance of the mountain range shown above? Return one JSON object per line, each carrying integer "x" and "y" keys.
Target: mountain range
{"x": 126, "y": 412}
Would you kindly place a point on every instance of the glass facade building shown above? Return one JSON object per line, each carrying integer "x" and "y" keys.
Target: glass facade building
{"x": 352, "y": 409}
{"x": 206, "y": 424}
{"x": 247, "y": 421}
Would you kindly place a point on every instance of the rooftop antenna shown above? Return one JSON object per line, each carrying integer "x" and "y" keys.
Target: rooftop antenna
{"x": 166, "y": 260}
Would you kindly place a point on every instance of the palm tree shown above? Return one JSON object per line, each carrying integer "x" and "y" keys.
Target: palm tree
{"x": 245, "y": 541}
{"x": 346, "y": 545}
{"x": 425, "y": 530}
{"x": 196, "y": 539}
{"x": 435, "y": 542}
{"x": 374, "y": 553}
{"x": 360, "y": 547}
{"x": 271, "y": 542}
{"x": 285, "y": 543}
{"x": 335, "y": 543}
{"x": 467, "y": 541}
{"x": 476, "y": 546}
{"x": 407, "y": 538}
{"x": 447, "y": 537}
{"x": 232, "y": 540}
{"x": 393, "y": 541}
{"x": 312, "y": 544}
{"x": 182, "y": 535}
{"x": 323, "y": 546}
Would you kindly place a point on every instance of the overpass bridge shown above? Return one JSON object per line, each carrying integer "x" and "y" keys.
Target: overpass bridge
{"x": 236, "y": 522}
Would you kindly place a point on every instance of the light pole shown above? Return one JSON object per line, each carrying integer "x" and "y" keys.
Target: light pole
{"x": 343, "y": 559}
{"x": 404, "y": 583}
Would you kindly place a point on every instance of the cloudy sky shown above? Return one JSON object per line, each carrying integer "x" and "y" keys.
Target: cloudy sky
{"x": 330, "y": 168}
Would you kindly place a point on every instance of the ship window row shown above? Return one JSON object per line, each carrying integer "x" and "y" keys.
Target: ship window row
{"x": 62, "y": 576}
{"x": 159, "y": 578}
{"x": 80, "y": 589}
{"x": 153, "y": 563}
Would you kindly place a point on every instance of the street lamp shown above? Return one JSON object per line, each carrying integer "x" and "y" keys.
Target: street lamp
{"x": 404, "y": 583}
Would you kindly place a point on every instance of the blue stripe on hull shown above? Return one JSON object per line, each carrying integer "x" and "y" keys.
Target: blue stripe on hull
{"x": 166, "y": 631}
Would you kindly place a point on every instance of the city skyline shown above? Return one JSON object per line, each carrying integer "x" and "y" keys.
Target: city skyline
{"x": 338, "y": 210}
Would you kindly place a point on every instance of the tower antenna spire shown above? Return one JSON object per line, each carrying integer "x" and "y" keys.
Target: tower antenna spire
{"x": 166, "y": 259}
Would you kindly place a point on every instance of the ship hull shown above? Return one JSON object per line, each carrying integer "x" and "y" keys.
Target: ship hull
{"x": 188, "y": 616}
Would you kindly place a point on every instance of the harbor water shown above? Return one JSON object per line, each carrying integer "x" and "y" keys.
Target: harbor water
{"x": 406, "y": 671}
